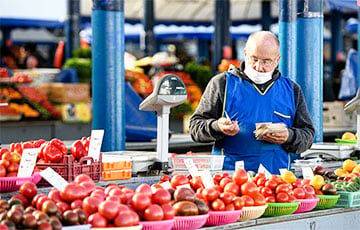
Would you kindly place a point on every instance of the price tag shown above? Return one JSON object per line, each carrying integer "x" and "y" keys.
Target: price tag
{"x": 191, "y": 167}
{"x": 282, "y": 171}
{"x": 183, "y": 186}
{"x": 166, "y": 185}
{"x": 262, "y": 169}
{"x": 239, "y": 165}
{"x": 207, "y": 179}
{"x": 307, "y": 173}
{"x": 28, "y": 162}
{"x": 53, "y": 178}
{"x": 95, "y": 143}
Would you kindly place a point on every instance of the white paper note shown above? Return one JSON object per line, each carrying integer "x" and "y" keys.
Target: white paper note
{"x": 28, "y": 162}
{"x": 166, "y": 185}
{"x": 191, "y": 167}
{"x": 239, "y": 165}
{"x": 207, "y": 179}
{"x": 95, "y": 143}
{"x": 262, "y": 169}
{"x": 53, "y": 178}
{"x": 282, "y": 171}
{"x": 307, "y": 173}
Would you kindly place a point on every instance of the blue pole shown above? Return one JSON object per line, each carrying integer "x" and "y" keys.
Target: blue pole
{"x": 358, "y": 49}
{"x": 266, "y": 19}
{"x": 108, "y": 81}
{"x": 287, "y": 38}
{"x": 310, "y": 59}
{"x": 336, "y": 35}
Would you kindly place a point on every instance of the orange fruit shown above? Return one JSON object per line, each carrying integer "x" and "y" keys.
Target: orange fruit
{"x": 349, "y": 165}
{"x": 15, "y": 158}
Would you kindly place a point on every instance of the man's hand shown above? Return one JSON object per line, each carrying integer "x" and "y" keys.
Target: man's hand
{"x": 228, "y": 127}
{"x": 276, "y": 138}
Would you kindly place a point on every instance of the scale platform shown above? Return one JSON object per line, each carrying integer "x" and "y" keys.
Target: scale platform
{"x": 329, "y": 151}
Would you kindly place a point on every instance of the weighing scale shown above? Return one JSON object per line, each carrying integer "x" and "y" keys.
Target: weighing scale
{"x": 354, "y": 106}
{"x": 169, "y": 91}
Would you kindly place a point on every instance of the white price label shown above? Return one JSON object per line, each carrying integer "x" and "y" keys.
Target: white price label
{"x": 166, "y": 185}
{"x": 262, "y": 169}
{"x": 307, "y": 173}
{"x": 282, "y": 171}
{"x": 28, "y": 162}
{"x": 207, "y": 179}
{"x": 95, "y": 143}
{"x": 239, "y": 165}
{"x": 183, "y": 186}
{"x": 191, "y": 167}
{"x": 54, "y": 178}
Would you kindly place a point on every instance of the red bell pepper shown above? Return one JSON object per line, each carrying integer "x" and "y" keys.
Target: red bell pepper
{"x": 3, "y": 150}
{"x": 16, "y": 147}
{"x": 54, "y": 151}
{"x": 78, "y": 150}
{"x": 38, "y": 143}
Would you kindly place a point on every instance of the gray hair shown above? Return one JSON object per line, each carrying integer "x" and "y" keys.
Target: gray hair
{"x": 266, "y": 35}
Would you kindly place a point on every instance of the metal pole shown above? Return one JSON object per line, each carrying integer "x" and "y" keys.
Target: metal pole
{"x": 108, "y": 81}
{"x": 266, "y": 14}
{"x": 336, "y": 35}
{"x": 358, "y": 49}
{"x": 149, "y": 22}
{"x": 287, "y": 38}
{"x": 72, "y": 27}
{"x": 221, "y": 36}
{"x": 309, "y": 74}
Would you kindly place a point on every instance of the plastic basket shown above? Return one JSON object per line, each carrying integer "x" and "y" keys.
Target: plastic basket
{"x": 327, "y": 201}
{"x": 137, "y": 227}
{"x": 222, "y": 217}
{"x": 253, "y": 212}
{"x": 348, "y": 200}
{"x": 69, "y": 168}
{"x": 202, "y": 162}
{"x": 158, "y": 225}
{"x": 190, "y": 222}
{"x": 281, "y": 209}
{"x": 306, "y": 205}
{"x": 11, "y": 184}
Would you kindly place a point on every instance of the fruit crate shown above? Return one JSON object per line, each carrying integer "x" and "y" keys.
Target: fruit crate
{"x": 202, "y": 162}
{"x": 123, "y": 174}
{"x": 69, "y": 169}
{"x": 348, "y": 199}
{"x": 112, "y": 162}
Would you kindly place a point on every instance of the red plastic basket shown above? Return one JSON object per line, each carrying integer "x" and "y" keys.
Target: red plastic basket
{"x": 190, "y": 222}
{"x": 222, "y": 217}
{"x": 158, "y": 225}
{"x": 69, "y": 168}
{"x": 306, "y": 205}
{"x": 11, "y": 184}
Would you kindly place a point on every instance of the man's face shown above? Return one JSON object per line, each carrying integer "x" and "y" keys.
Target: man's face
{"x": 263, "y": 57}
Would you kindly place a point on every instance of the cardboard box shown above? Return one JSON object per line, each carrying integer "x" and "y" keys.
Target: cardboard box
{"x": 67, "y": 93}
{"x": 335, "y": 116}
{"x": 75, "y": 112}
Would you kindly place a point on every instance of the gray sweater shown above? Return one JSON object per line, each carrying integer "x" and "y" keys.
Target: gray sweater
{"x": 204, "y": 127}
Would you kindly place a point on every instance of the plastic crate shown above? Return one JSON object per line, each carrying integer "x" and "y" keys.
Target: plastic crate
{"x": 116, "y": 162}
{"x": 157, "y": 225}
{"x": 189, "y": 222}
{"x": 348, "y": 199}
{"x": 117, "y": 174}
{"x": 202, "y": 162}
{"x": 280, "y": 209}
{"x": 69, "y": 169}
{"x": 327, "y": 201}
{"x": 217, "y": 218}
{"x": 11, "y": 184}
{"x": 306, "y": 205}
{"x": 252, "y": 212}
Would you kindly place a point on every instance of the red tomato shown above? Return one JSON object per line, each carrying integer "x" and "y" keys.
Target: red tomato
{"x": 282, "y": 188}
{"x": 232, "y": 187}
{"x": 218, "y": 205}
{"x": 97, "y": 221}
{"x": 266, "y": 191}
{"x": 123, "y": 208}
{"x": 309, "y": 189}
{"x": 292, "y": 198}
{"x": 196, "y": 183}
{"x": 169, "y": 211}
{"x": 89, "y": 186}
{"x": 248, "y": 200}
{"x": 240, "y": 177}
{"x": 22, "y": 198}
{"x": 165, "y": 178}
{"x": 217, "y": 178}
{"x": 28, "y": 189}
{"x": 305, "y": 182}
{"x": 114, "y": 192}
{"x": 297, "y": 183}
{"x": 153, "y": 213}
{"x": 259, "y": 199}
{"x": 145, "y": 189}
{"x": 239, "y": 203}
{"x": 271, "y": 184}
{"x": 36, "y": 198}
{"x": 76, "y": 204}
{"x": 161, "y": 196}
{"x": 109, "y": 188}
{"x": 210, "y": 194}
{"x": 309, "y": 196}
{"x": 40, "y": 202}
{"x": 98, "y": 193}
{"x": 229, "y": 207}
{"x": 224, "y": 182}
{"x": 227, "y": 197}
{"x": 126, "y": 219}
{"x": 282, "y": 197}
{"x": 82, "y": 178}
{"x": 178, "y": 180}
{"x": 261, "y": 181}
{"x": 108, "y": 209}
{"x": 73, "y": 191}
{"x": 225, "y": 174}
{"x": 90, "y": 204}
{"x": 248, "y": 188}
{"x": 2, "y": 171}
{"x": 54, "y": 194}
{"x": 116, "y": 199}
{"x": 140, "y": 201}
{"x": 62, "y": 206}
{"x": 128, "y": 194}
{"x": 270, "y": 199}
{"x": 217, "y": 187}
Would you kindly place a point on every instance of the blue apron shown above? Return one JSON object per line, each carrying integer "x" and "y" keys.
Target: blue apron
{"x": 246, "y": 104}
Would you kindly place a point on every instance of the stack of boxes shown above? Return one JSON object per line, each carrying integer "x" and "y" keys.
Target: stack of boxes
{"x": 115, "y": 167}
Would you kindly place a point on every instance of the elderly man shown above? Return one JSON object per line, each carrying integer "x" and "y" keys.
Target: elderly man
{"x": 236, "y": 100}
